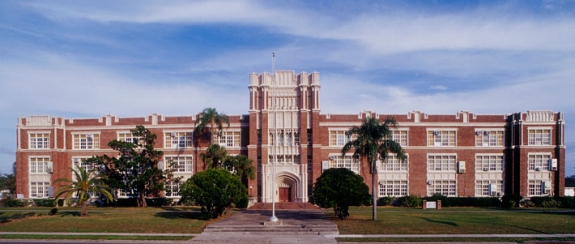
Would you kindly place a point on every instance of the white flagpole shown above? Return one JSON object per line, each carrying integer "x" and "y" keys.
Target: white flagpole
{"x": 273, "y": 218}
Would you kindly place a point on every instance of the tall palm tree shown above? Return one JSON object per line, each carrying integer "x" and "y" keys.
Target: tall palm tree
{"x": 214, "y": 157}
{"x": 210, "y": 118}
{"x": 86, "y": 183}
{"x": 373, "y": 141}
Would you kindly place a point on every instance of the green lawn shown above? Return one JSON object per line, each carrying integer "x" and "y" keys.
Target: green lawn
{"x": 456, "y": 221}
{"x": 123, "y": 220}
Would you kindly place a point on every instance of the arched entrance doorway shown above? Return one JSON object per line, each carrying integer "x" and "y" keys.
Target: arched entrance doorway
{"x": 287, "y": 184}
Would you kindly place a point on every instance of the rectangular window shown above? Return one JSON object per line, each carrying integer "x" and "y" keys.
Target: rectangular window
{"x": 86, "y": 141}
{"x": 347, "y": 162}
{"x": 393, "y": 188}
{"x": 488, "y": 163}
{"x": 539, "y": 162}
{"x": 443, "y": 187}
{"x": 39, "y": 140}
{"x": 180, "y": 164}
{"x": 80, "y": 162}
{"x": 39, "y": 165}
{"x": 392, "y": 163}
{"x": 539, "y": 188}
{"x": 445, "y": 163}
{"x": 178, "y": 139}
{"x": 127, "y": 137}
{"x": 172, "y": 189}
{"x": 485, "y": 138}
{"x": 39, "y": 189}
{"x": 539, "y": 137}
{"x": 230, "y": 138}
{"x": 488, "y": 188}
{"x": 441, "y": 138}
{"x": 338, "y": 138}
{"x": 400, "y": 136}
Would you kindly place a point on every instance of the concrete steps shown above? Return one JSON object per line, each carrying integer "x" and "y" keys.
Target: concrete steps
{"x": 277, "y": 229}
{"x": 284, "y": 206}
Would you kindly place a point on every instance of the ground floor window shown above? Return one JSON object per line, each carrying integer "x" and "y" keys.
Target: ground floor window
{"x": 393, "y": 188}
{"x": 443, "y": 187}
{"x": 39, "y": 189}
{"x": 488, "y": 188}
{"x": 539, "y": 188}
{"x": 173, "y": 189}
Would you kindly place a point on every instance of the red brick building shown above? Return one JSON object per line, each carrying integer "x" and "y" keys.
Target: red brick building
{"x": 462, "y": 154}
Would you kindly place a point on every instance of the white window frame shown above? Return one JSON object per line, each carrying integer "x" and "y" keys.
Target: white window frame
{"x": 400, "y": 136}
{"x": 393, "y": 188}
{"x": 393, "y": 164}
{"x": 442, "y": 162}
{"x": 39, "y": 189}
{"x": 39, "y": 140}
{"x": 348, "y": 162}
{"x": 539, "y": 136}
{"x": 489, "y": 162}
{"x": 489, "y": 138}
{"x": 230, "y": 138}
{"x": 178, "y": 139}
{"x": 444, "y": 187}
{"x": 182, "y": 163}
{"x": 38, "y": 165}
{"x": 174, "y": 189}
{"x": 483, "y": 188}
{"x": 535, "y": 188}
{"x": 538, "y": 161}
{"x": 86, "y": 141}
{"x": 338, "y": 138}
{"x": 126, "y": 136}
{"x": 442, "y": 137}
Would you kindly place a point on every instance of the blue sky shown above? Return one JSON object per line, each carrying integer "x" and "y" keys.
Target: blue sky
{"x": 79, "y": 59}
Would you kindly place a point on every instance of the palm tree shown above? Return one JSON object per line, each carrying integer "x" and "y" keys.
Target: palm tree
{"x": 86, "y": 183}
{"x": 241, "y": 166}
{"x": 210, "y": 117}
{"x": 214, "y": 157}
{"x": 374, "y": 141}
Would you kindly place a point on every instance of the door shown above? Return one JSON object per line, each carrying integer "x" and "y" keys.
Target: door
{"x": 285, "y": 194}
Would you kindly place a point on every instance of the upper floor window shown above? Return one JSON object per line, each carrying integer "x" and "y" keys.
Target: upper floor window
{"x": 488, "y": 162}
{"x": 180, "y": 164}
{"x": 86, "y": 141}
{"x": 400, "y": 136}
{"x": 539, "y": 162}
{"x": 283, "y": 138}
{"x": 39, "y": 165}
{"x": 230, "y": 138}
{"x": 539, "y": 136}
{"x": 441, "y": 138}
{"x": 127, "y": 137}
{"x": 39, "y": 140}
{"x": 338, "y": 138}
{"x": 392, "y": 163}
{"x": 80, "y": 162}
{"x": 441, "y": 162}
{"x": 178, "y": 139}
{"x": 347, "y": 162}
{"x": 486, "y": 138}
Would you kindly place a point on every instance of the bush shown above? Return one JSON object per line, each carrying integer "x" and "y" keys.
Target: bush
{"x": 44, "y": 203}
{"x": 385, "y": 201}
{"x": 340, "y": 188}
{"x": 410, "y": 201}
{"x": 159, "y": 202}
{"x": 13, "y": 203}
{"x": 511, "y": 201}
{"x": 242, "y": 202}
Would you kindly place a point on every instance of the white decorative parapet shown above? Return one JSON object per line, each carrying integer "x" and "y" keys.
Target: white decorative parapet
{"x": 39, "y": 121}
{"x": 540, "y": 116}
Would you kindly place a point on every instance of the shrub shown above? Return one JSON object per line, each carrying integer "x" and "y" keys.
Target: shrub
{"x": 385, "y": 201}
{"x": 159, "y": 202}
{"x": 340, "y": 188}
{"x": 410, "y": 201}
{"x": 552, "y": 203}
{"x": 511, "y": 201}
{"x": 44, "y": 203}
{"x": 13, "y": 203}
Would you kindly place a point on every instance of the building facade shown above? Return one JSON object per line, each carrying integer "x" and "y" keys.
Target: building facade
{"x": 463, "y": 154}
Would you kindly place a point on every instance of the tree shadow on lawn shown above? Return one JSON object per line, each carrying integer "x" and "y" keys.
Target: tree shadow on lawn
{"x": 440, "y": 222}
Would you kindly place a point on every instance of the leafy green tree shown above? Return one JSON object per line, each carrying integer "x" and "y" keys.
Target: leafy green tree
{"x": 214, "y": 157}
{"x": 215, "y": 190}
{"x": 570, "y": 181}
{"x": 135, "y": 170}
{"x": 373, "y": 141}
{"x": 210, "y": 119}
{"x": 86, "y": 184}
{"x": 241, "y": 166}
{"x": 8, "y": 181}
{"x": 340, "y": 188}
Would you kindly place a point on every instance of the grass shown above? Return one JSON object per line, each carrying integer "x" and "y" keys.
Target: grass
{"x": 112, "y": 220}
{"x": 98, "y": 237}
{"x": 455, "y": 221}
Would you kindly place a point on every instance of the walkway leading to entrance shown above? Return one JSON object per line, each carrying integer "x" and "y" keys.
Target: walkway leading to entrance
{"x": 284, "y": 205}
{"x": 252, "y": 226}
